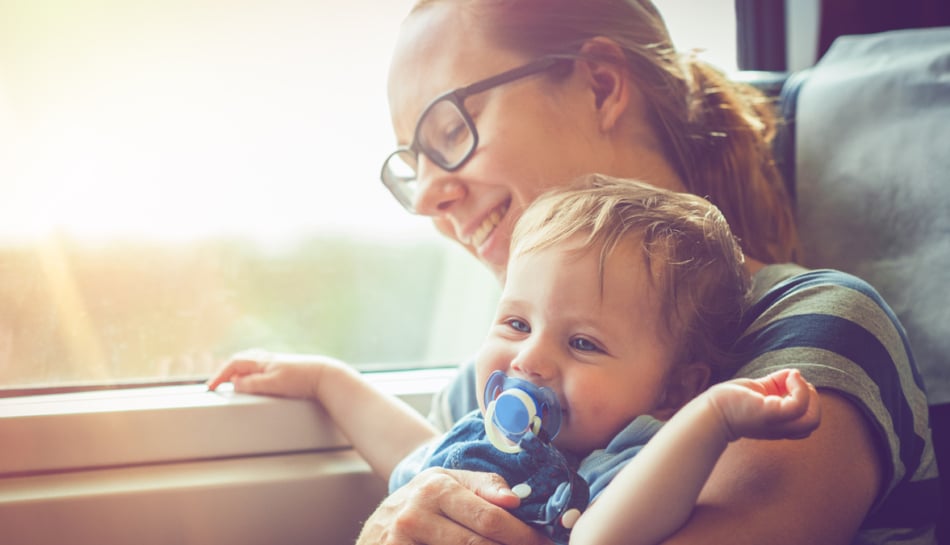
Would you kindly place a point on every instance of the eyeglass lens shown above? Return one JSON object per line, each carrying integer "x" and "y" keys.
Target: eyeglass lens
{"x": 399, "y": 175}
{"x": 444, "y": 134}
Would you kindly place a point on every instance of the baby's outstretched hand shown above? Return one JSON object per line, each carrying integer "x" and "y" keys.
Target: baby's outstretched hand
{"x": 261, "y": 372}
{"x": 782, "y": 405}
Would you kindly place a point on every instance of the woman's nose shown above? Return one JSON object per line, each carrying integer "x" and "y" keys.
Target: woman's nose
{"x": 437, "y": 190}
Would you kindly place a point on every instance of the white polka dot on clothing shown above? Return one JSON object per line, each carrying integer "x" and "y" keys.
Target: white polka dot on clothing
{"x": 522, "y": 490}
{"x": 569, "y": 519}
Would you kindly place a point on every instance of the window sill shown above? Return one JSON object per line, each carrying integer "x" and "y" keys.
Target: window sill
{"x": 120, "y": 428}
{"x": 182, "y": 465}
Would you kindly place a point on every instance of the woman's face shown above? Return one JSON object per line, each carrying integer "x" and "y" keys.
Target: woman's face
{"x": 535, "y": 133}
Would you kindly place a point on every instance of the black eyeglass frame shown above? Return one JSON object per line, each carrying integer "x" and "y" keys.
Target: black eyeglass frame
{"x": 457, "y": 98}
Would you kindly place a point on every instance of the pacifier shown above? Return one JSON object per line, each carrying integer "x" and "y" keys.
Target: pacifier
{"x": 513, "y": 407}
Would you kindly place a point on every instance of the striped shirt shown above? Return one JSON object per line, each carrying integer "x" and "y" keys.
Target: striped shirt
{"x": 841, "y": 334}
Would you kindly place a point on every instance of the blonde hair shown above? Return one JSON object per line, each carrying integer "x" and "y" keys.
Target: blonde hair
{"x": 686, "y": 244}
{"x": 715, "y": 132}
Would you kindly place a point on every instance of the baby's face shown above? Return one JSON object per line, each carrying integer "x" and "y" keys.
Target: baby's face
{"x": 596, "y": 341}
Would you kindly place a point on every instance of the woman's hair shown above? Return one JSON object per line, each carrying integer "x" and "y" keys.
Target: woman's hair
{"x": 716, "y": 133}
{"x": 689, "y": 252}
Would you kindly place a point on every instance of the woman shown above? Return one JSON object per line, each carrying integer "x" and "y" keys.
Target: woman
{"x": 547, "y": 90}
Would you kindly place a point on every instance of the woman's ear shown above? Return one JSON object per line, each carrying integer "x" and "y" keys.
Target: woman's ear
{"x": 606, "y": 71}
{"x": 684, "y": 383}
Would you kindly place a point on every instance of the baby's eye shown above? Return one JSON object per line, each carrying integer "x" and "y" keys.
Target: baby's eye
{"x": 584, "y": 345}
{"x": 519, "y": 325}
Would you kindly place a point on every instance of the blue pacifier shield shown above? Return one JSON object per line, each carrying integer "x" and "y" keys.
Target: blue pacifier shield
{"x": 514, "y": 407}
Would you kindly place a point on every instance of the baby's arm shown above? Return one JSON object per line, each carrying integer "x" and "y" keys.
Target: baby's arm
{"x": 381, "y": 428}
{"x": 655, "y": 493}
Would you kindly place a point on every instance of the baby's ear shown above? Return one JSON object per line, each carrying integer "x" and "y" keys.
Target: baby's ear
{"x": 685, "y": 382}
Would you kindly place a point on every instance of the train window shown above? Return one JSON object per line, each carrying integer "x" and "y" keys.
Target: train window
{"x": 708, "y": 28}
{"x": 184, "y": 180}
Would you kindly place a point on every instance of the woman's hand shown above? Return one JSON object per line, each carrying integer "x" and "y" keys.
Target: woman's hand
{"x": 447, "y": 507}
{"x": 261, "y": 372}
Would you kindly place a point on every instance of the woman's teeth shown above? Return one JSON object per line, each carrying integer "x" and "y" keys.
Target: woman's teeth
{"x": 487, "y": 226}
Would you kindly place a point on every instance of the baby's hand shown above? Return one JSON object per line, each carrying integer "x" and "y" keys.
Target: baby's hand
{"x": 261, "y": 372}
{"x": 782, "y": 405}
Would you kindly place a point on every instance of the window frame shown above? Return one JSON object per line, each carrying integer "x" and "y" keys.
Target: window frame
{"x": 58, "y": 433}
{"x": 180, "y": 464}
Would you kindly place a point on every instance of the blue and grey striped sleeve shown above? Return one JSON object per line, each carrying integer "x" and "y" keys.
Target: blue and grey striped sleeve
{"x": 838, "y": 331}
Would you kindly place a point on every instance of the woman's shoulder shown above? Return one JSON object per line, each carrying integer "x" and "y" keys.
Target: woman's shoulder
{"x": 791, "y": 307}
{"x": 791, "y": 297}
{"x": 835, "y": 328}
{"x": 775, "y": 282}
{"x": 841, "y": 334}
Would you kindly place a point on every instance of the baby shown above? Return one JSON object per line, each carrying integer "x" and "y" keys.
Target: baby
{"x": 618, "y": 311}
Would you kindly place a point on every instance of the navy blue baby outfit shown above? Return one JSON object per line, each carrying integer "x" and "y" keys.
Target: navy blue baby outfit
{"x": 559, "y": 487}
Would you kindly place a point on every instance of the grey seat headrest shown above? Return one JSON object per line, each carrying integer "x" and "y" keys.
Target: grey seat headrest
{"x": 872, "y": 162}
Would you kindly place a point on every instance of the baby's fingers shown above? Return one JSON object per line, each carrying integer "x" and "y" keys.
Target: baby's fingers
{"x": 796, "y": 414}
{"x": 266, "y": 383}
{"x": 239, "y": 365}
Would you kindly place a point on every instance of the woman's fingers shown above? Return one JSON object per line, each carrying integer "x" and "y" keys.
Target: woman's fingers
{"x": 447, "y": 507}
{"x": 490, "y": 518}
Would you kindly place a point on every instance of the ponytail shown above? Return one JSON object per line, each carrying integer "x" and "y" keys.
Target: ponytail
{"x": 723, "y": 150}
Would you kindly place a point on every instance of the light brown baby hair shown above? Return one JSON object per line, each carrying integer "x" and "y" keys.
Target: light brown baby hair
{"x": 695, "y": 260}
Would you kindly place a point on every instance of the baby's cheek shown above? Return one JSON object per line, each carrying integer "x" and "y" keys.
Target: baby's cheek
{"x": 595, "y": 426}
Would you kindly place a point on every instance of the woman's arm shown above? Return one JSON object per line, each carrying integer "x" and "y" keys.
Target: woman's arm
{"x": 655, "y": 493}
{"x": 816, "y": 490}
{"x": 381, "y": 428}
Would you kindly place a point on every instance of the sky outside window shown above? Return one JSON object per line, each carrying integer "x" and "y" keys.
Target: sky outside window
{"x": 179, "y": 119}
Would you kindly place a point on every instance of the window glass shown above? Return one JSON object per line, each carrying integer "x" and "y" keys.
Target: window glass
{"x": 708, "y": 27}
{"x": 183, "y": 179}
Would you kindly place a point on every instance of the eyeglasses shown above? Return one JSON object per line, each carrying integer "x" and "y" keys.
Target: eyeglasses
{"x": 445, "y": 132}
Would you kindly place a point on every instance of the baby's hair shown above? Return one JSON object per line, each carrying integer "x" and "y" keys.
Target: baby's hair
{"x": 687, "y": 247}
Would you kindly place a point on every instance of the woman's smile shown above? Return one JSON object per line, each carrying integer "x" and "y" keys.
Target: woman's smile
{"x": 488, "y": 225}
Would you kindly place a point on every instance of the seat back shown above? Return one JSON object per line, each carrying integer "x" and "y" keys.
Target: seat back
{"x": 869, "y": 129}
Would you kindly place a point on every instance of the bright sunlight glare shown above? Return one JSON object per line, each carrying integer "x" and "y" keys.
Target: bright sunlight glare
{"x": 184, "y": 119}
{"x": 189, "y": 118}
